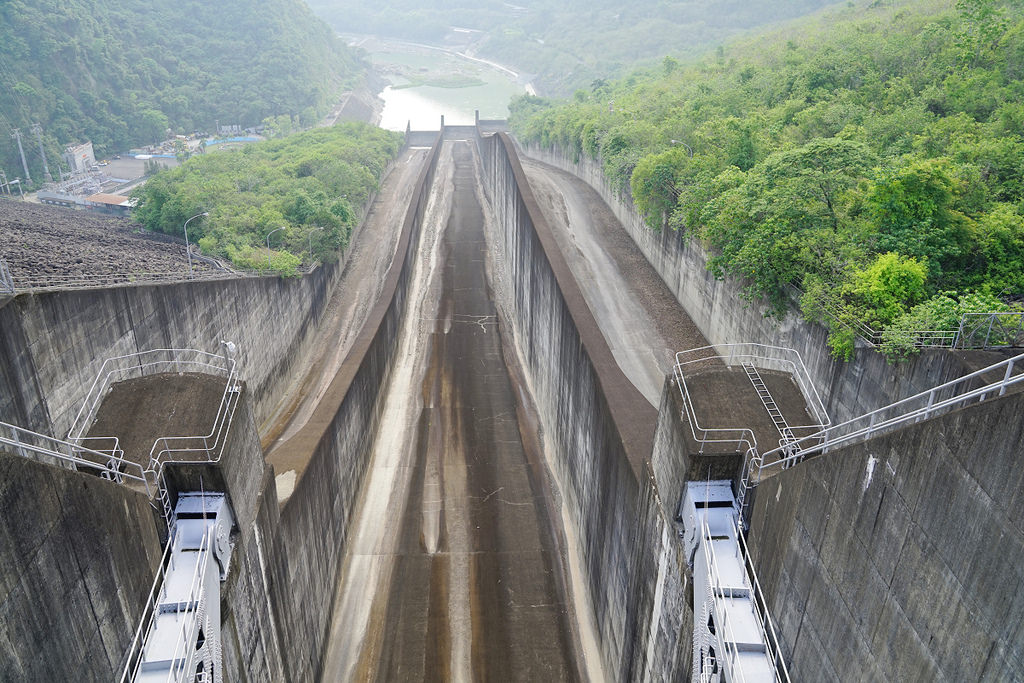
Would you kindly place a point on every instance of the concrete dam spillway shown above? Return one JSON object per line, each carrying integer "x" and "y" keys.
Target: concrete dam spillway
{"x": 455, "y": 553}
{"x": 468, "y": 452}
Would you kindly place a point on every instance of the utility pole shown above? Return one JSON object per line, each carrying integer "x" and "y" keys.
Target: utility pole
{"x": 17, "y": 136}
{"x": 4, "y": 187}
{"x": 38, "y": 130}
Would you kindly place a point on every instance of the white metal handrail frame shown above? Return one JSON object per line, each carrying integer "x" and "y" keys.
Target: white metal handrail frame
{"x": 765, "y": 356}
{"x": 195, "y": 595}
{"x": 945, "y": 397}
{"x": 143, "y": 363}
{"x": 743, "y": 438}
{"x": 772, "y": 644}
{"x": 779, "y": 358}
{"x": 108, "y": 464}
{"x": 134, "y": 657}
{"x": 727, "y": 658}
{"x": 961, "y": 338}
{"x": 166, "y": 450}
{"x": 943, "y": 339}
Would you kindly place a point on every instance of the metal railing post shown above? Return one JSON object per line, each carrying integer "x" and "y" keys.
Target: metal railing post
{"x": 6, "y": 281}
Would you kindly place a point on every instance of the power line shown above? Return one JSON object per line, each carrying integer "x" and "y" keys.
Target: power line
{"x": 17, "y": 136}
{"x": 38, "y": 130}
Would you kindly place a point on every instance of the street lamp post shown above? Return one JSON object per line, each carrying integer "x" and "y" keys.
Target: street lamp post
{"x": 268, "y": 243}
{"x": 188, "y": 252}
{"x": 680, "y": 142}
{"x": 311, "y": 244}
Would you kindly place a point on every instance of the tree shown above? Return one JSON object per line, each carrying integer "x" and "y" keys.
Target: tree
{"x": 654, "y": 184}
{"x": 912, "y": 208}
{"x": 884, "y": 290}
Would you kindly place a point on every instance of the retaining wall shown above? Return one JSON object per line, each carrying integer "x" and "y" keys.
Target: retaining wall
{"x": 902, "y": 558}
{"x": 717, "y": 307}
{"x": 599, "y": 432}
{"x": 77, "y": 558}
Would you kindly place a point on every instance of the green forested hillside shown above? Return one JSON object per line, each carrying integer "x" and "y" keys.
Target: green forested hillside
{"x": 873, "y": 157}
{"x": 569, "y": 43}
{"x": 121, "y": 72}
{"x": 316, "y": 179}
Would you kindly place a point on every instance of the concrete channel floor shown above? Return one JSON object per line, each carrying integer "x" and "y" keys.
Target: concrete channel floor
{"x": 454, "y": 571}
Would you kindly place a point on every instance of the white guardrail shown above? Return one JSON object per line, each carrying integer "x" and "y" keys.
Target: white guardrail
{"x": 194, "y": 601}
{"x": 166, "y": 450}
{"x": 730, "y": 650}
{"x": 777, "y": 358}
{"x": 104, "y": 455}
{"x": 108, "y": 464}
{"x": 977, "y": 386}
{"x": 742, "y": 439}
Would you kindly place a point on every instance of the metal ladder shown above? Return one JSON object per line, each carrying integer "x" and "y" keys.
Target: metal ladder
{"x": 769, "y": 404}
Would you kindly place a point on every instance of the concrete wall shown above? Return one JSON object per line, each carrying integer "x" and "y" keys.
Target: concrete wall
{"x": 599, "y": 432}
{"x": 55, "y": 342}
{"x": 902, "y": 558}
{"x": 77, "y": 558}
{"x": 723, "y": 316}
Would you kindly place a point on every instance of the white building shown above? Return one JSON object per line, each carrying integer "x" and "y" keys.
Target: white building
{"x": 80, "y": 157}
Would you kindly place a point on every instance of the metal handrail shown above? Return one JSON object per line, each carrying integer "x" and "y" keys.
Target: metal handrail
{"x": 912, "y": 409}
{"x": 188, "y": 630}
{"x": 163, "y": 452}
{"x": 135, "y": 653}
{"x": 768, "y": 357}
{"x": 134, "y": 657}
{"x": 723, "y": 626}
{"x": 58, "y": 282}
{"x": 154, "y": 361}
{"x": 972, "y": 323}
{"x": 760, "y": 355}
{"x": 109, "y": 464}
{"x": 943, "y": 339}
{"x": 772, "y": 643}
{"x": 743, "y": 438}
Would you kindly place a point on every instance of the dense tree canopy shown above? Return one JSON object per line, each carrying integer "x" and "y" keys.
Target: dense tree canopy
{"x": 303, "y": 182}
{"x": 872, "y": 156}
{"x": 121, "y": 72}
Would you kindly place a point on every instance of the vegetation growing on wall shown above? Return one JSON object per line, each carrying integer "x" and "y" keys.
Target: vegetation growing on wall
{"x": 873, "y": 158}
{"x": 316, "y": 179}
{"x": 122, "y": 72}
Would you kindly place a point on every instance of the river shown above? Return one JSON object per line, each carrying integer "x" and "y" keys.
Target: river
{"x": 428, "y": 82}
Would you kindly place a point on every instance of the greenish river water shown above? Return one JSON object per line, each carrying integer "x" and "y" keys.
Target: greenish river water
{"x": 427, "y": 83}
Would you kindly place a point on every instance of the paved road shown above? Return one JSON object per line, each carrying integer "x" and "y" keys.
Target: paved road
{"x": 453, "y": 572}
